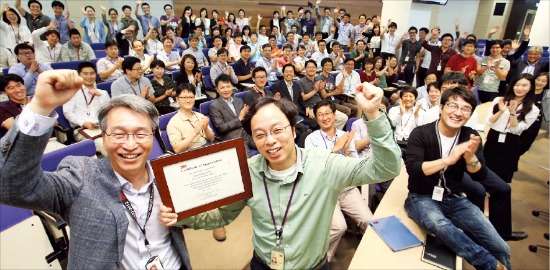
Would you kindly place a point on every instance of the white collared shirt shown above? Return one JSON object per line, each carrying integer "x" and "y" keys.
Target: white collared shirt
{"x": 44, "y": 52}
{"x": 404, "y": 124}
{"x": 78, "y": 112}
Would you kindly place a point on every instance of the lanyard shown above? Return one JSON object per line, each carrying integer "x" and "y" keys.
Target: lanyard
{"x": 86, "y": 100}
{"x": 323, "y": 137}
{"x": 258, "y": 92}
{"x": 134, "y": 90}
{"x": 50, "y": 50}
{"x": 18, "y": 35}
{"x": 130, "y": 209}
{"x": 404, "y": 125}
{"x": 441, "y": 173}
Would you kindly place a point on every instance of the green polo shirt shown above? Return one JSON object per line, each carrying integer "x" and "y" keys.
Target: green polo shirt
{"x": 324, "y": 175}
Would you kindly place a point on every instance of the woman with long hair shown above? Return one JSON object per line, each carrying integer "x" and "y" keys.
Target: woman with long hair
{"x": 215, "y": 21}
{"x": 189, "y": 71}
{"x": 509, "y": 117}
{"x": 113, "y": 24}
{"x": 13, "y": 32}
{"x": 230, "y": 21}
{"x": 187, "y": 22}
{"x": 203, "y": 21}
{"x": 368, "y": 74}
{"x": 228, "y": 37}
{"x": 541, "y": 90}
{"x": 393, "y": 71}
{"x": 94, "y": 32}
{"x": 246, "y": 34}
{"x": 374, "y": 40}
{"x": 381, "y": 72}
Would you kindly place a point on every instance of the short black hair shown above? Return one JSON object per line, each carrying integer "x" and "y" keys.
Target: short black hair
{"x": 321, "y": 41}
{"x": 288, "y": 33}
{"x": 413, "y": 28}
{"x": 348, "y": 59}
{"x": 144, "y": 4}
{"x": 497, "y": 42}
{"x": 408, "y": 89}
{"x": 6, "y": 79}
{"x": 237, "y": 34}
{"x": 335, "y": 43}
{"x": 73, "y": 32}
{"x": 125, "y": 7}
{"x": 167, "y": 5}
{"x": 322, "y": 103}
{"x": 452, "y": 78}
{"x": 326, "y": 60}
{"x": 223, "y": 78}
{"x": 447, "y": 35}
{"x": 89, "y": 7}
{"x": 289, "y": 65}
{"x": 85, "y": 64}
{"x": 217, "y": 37}
{"x": 129, "y": 62}
{"x": 288, "y": 108}
{"x": 222, "y": 50}
{"x": 185, "y": 87}
{"x": 392, "y": 24}
{"x": 5, "y": 17}
{"x": 244, "y": 47}
{"x": 287, "y": 46}
{"x": 53, "y": 31}
{"x": 310, "y": 61}
{"x": 34, "y": 2}
{"x": 111, "y": 42}
{"x": 22, "y": 46}
{"x": 460, "y": 91}
{"x": 112, "y": 9}
{"x": 425, "y": 30}
{"x": 267, "y": 45}
{"x": 157, "y": 63}
{"x": 470, "y": 41}
{"x": 434, "y": 85}
{"x": 57, "y": 3}
{"x": 258, "y": 69}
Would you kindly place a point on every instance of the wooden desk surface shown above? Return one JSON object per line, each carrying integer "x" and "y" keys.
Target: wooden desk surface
{"x": 373, "y": 253}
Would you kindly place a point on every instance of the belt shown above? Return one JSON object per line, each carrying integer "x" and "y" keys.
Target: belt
{"x": 318, "y": 266}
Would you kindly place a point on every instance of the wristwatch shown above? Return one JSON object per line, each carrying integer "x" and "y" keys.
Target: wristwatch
{"x": 473, "y": 164}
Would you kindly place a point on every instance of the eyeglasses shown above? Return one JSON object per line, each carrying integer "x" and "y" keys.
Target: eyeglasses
{"x": 137, "y": 69}
{"x": 275, "y": 132}
{"x": 123, "y": 137}
{"x": 189, "y": 97}
{"x": 453, "y": 106}
{"x": 26, "y": 53}
{"x": 322, "y": 115}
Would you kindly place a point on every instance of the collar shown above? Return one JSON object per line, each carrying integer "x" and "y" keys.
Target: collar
{"x": 127, "y": 186}
{"x": 326, "y": 136}
{"x": 531, "y": 65}
{"x": 228, "y": 101}
{"x": 289, "y": 84}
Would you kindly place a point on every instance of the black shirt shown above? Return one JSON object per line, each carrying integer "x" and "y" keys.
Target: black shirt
{"x": 242, "y": 69}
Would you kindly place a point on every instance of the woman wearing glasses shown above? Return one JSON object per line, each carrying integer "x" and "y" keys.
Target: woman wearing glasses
{"x": 13, "y": 32}
{"x": 510, "y": 116}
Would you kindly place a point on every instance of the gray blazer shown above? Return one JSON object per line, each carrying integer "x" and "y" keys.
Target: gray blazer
{"x": 84, "y": 191}
{"x": 110, "y": 28}
{"x": 226, "y": 122}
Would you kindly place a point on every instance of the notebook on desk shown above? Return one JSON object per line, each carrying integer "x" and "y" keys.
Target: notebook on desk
{"x": 394, "y": 233}
{"x": 438, "y": 254}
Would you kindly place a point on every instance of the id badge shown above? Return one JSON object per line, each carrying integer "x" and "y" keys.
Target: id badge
{"x": 501, "y": 137}
{"x": 406, "y": 58}
{"x": 438, "y": 67}
{"x": 438, "y": 193}
{"x": 154, "y": 263}
{"x": 486, "y": 80}
{"x": 374, "y": 50}
{"x": 171, "y": 99}
{"x": 277, "y": 258}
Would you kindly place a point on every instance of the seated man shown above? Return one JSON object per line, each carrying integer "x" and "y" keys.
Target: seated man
{"x": 13, "y": 86}
{"x": 81, "y": 110}
{"x": 310, "y": 93}
{"x": 243, "y": 67}
{"x": 438, "y": 154}
{"x": 133, "y": 82}
{"x": 227, "y": 112}
{"x": 76, "y": 49}
{"x": 321, "y": 54}
{"x": 217, "y": 42}
{"x": 49, "y": 50}
{"x": 350, "y": 200}
{"x": 194, "y": 50}
{"x": 334, "y": 91}
{"x": 109, "y": 67}
{"x": 222, "y": 67}
{"x": 337, "y": 56}
{"x": 27, "y": 68}
{"x": 259, "y": 76}
{"x": 269, "y": 64}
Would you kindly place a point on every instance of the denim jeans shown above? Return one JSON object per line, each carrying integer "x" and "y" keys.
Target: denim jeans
{"x": 478, "y": 242}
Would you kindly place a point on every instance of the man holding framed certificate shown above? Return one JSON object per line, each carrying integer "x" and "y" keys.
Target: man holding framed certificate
{"x": 295, "y": 190}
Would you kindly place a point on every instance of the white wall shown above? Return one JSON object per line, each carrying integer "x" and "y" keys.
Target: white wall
{"x": 399, "y": 12}
{"x": 464, "y": 10}
{"x": 540, "y": 29}
{"x": 420, "y": 15}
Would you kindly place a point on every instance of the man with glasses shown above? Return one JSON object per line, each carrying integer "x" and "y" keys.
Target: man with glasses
{"x": 438, "y": 154}
{"x": 350, "y": 200}
{"x": 439, "y": 55}
{"x": 411, "y": 47}
{"x": 464, "y": 62}
{"x": 321, "y": 54}
{"x": 259, "y": 76}
{"x": 27, "y": 68}
{"x": 222, "y": 67}
{"x": 105, "y": 201}
{"x": 269, "y": 64}
{"x": 133, "y": 82}
{"x": 303, "y": 183}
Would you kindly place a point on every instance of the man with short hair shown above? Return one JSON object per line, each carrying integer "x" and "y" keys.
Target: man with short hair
{"x": 81, "y": 110}
{"x": 360, "y": 28}
{"x": 127, "y": 20}
{"x": 337, "y": 55}
{"x": 279, "y": 37}
{"x": 286, "y": 58}
{"x": 243, "y": 68}
{"x": 388, "y": 41}
{"x": 234, "y": 53}
{"x": 350, "y": 200}
{"x": 438, "y": 155}
{"x": 325, "y": 20}
{"x": 48, "y": 51}
{"x": 292, "y": 41}
{"x": 259, "y": 76}
{"x": 13, "y": 86}
{"x": 133, "y": 82}
{"x": 193, "y": 50}
{"x": 318, "y": 56}
{"x": 345, "y": 30}
{"x": 532, "y": 64}
{"x": 311, "y": 88}
{"x": 359, "y": 54}
{"x": 269, "y": 64}
{"x": 104, "y": 201}
{"x": 217, "y": 41}
{"x": 331, "y": 90}
{"x": 411, "y": 47}
{"x": 27, "y": 68}
{"x": 222, "y": 67}
{"x": 64, "y": 22}
{"x": 227, "y": 112}
{"x": 35, "y": 19}
{"x": 439, "y": 55}
{"x": 425, "y": 57}
{"x": 169, "y": 20}
{"x": 464, "y": 62}
{"x": 316, "y": 175}
{"x": 308, "y": 24}
{"x": 262, "y": 32}
{"x": 125, "y": 39}
{"x": 109, "y": 68}
{"x": 147, "y": 19}
{"x": 76, "y": 49}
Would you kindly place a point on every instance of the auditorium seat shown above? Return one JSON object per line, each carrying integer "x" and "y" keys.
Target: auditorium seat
{"x": 66, "y": 65}
{"x": 105, "y": 86}
{"x": 5, "y": 71}
{"x": 241, "y": 95}
{"x": 100, "y": 53}
{"x": 205, "y": 70}
{"x": 51, "y": 160}
{"x": 349, "y": 123}
{"x": 163, "y": 123}
{"x": 98, "y": 46}
{"x": 156, "y": 151}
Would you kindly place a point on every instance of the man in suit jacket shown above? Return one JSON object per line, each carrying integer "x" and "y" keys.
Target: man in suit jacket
{"x": 282, "y": 87}
{"x": 97, "y": 197}
{"x": 533, "y": 65}
{"x": 226, "y": 113}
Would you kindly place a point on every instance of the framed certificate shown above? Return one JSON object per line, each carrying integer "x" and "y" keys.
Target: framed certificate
{"x": 203, "y": 179}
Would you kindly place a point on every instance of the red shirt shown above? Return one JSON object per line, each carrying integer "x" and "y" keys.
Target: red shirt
{"x": 457, "y": 62}
{"x": 367, "y": 78}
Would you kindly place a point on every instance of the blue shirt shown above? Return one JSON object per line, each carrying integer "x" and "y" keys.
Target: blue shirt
{"x": 63, "y": 28}
{"x": 144, "y": 20}
{"x": 28, "y": 78}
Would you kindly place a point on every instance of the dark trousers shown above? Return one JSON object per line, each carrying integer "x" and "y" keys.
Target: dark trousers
{"x": 420, "y": 76}
{"x": 500, "y": 202}
{"x": 257, "y": 264}
{"x": 409, "y": 73}
{"x": 485, "y": 96}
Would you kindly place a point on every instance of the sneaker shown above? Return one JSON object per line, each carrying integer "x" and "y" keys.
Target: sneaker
{"x": 219, "y": 234}
{"x": 516, "y": 236}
